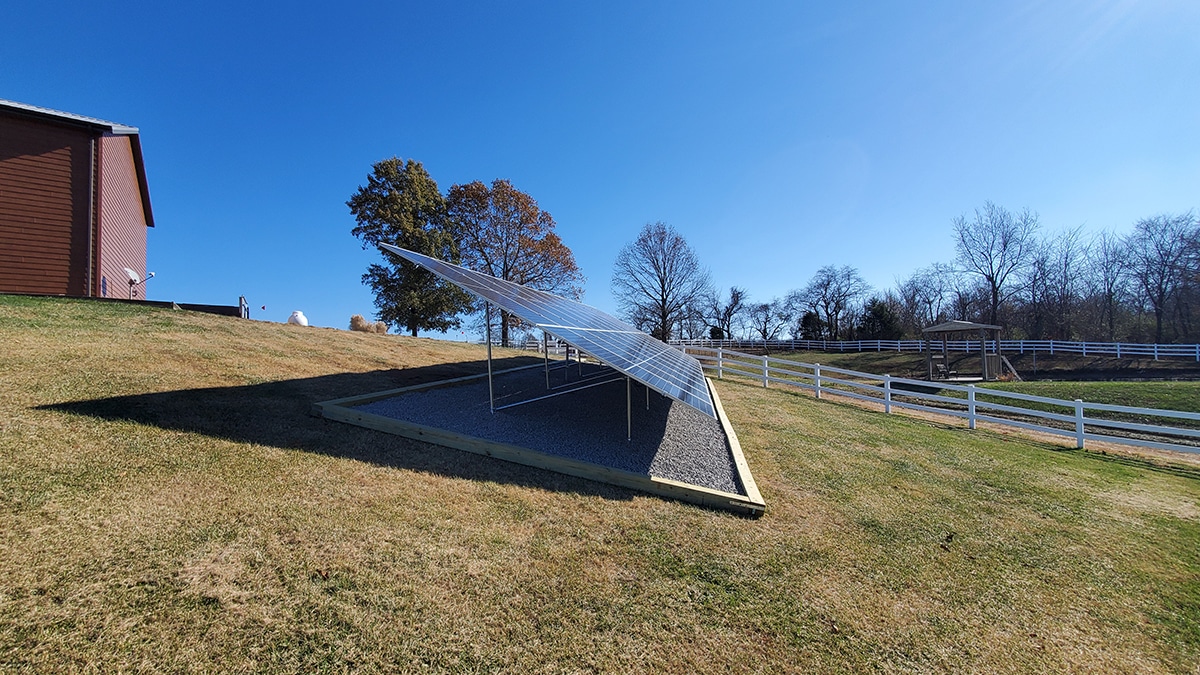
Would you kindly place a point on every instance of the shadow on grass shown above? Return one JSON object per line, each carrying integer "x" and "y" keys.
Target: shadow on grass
{"x": 277, "y": 414}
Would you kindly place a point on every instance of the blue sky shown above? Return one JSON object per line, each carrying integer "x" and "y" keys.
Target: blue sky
{"x": 777, "y": 137}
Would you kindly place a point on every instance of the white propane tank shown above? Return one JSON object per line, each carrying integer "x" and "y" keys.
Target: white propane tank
{"x": 298, "y": 318}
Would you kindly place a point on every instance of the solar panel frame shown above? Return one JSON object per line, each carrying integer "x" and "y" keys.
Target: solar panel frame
{"x": 611, "y": 341}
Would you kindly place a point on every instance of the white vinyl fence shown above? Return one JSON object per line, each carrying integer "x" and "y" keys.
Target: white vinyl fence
{"x": 1147, "y": 427}
{"x": 1117, "y": 349}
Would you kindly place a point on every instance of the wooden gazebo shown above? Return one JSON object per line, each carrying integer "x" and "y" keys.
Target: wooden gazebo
{"x": 938, "y": 365}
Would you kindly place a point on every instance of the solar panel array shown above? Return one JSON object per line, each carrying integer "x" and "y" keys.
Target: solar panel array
{"x": 613, "y": 342}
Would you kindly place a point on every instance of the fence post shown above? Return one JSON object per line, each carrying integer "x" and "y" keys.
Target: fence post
{"x": 887, "y": 394}
{"x": 1052, "y": 348}
{"x": 1198, "y": 352}
{"x": 1119, "y": 351}
{"x": 1079, "y": 423}
{"x": 720, "y": 363}
{"x": 970, "y": 406}
{"x": 765, "y": 372}
{"x": 817, "y": 377}
{"x": 1155, "y": 351}
{"x": 1084, "y": 348}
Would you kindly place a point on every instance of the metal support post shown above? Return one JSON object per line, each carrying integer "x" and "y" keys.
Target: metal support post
{"x": 487, "y": 311}
{"x": 628, "y": 410}
{"x": 546, "y": 354}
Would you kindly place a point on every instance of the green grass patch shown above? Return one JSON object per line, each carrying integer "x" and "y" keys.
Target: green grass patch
{"x": 1182, "y": 396}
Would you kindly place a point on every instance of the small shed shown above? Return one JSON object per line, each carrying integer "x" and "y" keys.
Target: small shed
{"x": 967, "y": 334}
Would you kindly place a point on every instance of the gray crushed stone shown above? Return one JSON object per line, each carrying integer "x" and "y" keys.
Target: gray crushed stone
{"x": 670, "y": 440}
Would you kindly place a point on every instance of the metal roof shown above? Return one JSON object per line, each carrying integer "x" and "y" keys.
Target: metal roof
{"x": 97, "y": 125}
{"x": 611, "y": 341}
{"x": 38, "y": 111}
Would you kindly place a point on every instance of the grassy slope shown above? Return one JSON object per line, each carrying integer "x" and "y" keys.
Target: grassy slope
{"x": 168, "y": 504}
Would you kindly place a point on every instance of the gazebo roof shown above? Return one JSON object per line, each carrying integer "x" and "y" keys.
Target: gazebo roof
{"x": 957, "y": 326}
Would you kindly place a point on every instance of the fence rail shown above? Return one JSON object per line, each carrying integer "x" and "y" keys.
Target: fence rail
{"x": 1076, "y": 419}
{"x": 1118, "y": 349}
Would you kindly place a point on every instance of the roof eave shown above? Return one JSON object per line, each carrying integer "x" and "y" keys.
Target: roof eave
{"x": 139, "y": 165}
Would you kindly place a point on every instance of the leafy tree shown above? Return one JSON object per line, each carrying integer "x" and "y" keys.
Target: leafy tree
{"x": 401, "y": 205}
{"x": 501, "y": 231}
{"x": 809, "y": 326}
{"x": 880, "y": 320}
{"x": 996, "y": 245}
{"x": 657, "y": 279}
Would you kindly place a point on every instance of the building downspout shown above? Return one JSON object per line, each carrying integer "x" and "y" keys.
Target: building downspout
{"x": 91, "y": 278}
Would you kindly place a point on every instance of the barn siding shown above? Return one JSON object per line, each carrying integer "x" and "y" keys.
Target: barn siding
{"x": 45, "y": 196}
{"x": 122, "y": 240}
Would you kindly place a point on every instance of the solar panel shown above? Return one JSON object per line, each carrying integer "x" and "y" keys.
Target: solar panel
{"x": 608, "y": 339}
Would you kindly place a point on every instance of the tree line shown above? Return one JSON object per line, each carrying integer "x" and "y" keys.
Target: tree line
{"x": 1140, "y": 287}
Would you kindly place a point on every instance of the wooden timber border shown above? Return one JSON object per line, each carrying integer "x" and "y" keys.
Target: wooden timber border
{"x": 750, "y": 504}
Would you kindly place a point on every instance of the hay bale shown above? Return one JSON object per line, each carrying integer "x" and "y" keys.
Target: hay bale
{"x": 358, "y": 323}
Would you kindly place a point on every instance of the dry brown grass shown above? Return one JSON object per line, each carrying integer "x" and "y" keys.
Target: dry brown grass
{"x": 169, "y": 505}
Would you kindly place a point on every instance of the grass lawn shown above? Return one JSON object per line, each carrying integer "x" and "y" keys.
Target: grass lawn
{"x": 1183, "y": 396}
{"x": 1030, "y": 366}
{"x": 168, "y": 504}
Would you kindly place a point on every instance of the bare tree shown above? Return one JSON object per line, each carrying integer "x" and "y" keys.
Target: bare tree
{"x": 1106, "y": 277}
{"x": 995, "y": 245}
{"x": 924, "y": 296}
{"x": 722, "y": 314}
{"x": 767, "y": 319}
{"x": 832, "y": 293}
{"x": 694, "y": 324}
{"x": 968, "y": 297}
{"x": 1033, "y": 309}
{"x": 1066, "y": 253}
{"x": 1159, "y": 257}
{"x": 657, "y": 278}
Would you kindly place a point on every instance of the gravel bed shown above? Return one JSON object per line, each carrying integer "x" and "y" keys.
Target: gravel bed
{"x": 670, "y": 439}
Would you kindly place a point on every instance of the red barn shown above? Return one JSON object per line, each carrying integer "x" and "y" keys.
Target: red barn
{"x": 74, "y": 204}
